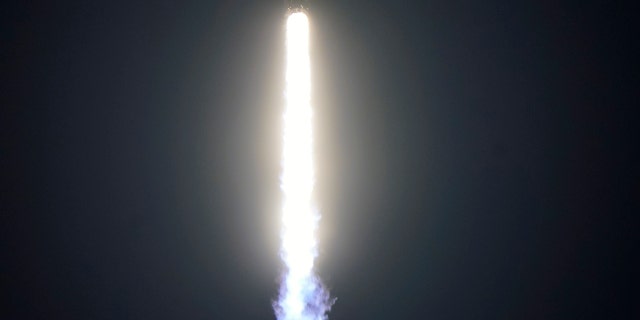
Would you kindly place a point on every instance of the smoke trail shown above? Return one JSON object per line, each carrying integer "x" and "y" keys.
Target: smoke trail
{"x": 302, "y": 295}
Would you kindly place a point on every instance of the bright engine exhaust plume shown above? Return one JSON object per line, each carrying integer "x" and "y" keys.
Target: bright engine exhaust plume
{"x": 302, "y": 295}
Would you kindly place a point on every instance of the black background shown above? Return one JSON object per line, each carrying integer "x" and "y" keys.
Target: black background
{"x": 475, "y": 159}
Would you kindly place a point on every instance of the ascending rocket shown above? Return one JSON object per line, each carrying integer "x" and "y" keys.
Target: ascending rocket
{"x": 297, "y": 5}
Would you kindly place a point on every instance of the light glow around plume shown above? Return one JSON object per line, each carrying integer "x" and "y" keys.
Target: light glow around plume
{"x": 302, "y": 296}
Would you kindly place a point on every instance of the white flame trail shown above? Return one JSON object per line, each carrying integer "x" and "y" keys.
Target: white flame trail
{"x": 302, "y": 296}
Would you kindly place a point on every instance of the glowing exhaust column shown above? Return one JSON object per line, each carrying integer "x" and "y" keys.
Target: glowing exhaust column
{"x": 302, "y": 296}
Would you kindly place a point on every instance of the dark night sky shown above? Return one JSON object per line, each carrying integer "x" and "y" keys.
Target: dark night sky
{"x": 476, "y": 159}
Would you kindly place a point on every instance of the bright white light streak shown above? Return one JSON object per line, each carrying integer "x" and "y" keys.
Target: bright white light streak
{"x": 302, "y": 296}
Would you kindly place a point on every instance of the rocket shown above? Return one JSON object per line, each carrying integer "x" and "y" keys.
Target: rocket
{"x": 297, "y": 5}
